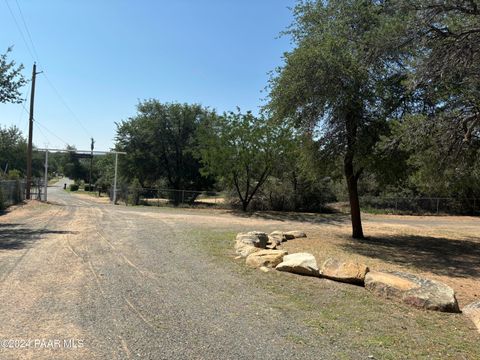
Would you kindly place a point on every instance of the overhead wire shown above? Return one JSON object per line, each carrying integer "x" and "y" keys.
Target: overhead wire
{"x": 20, "y": 30}
{"x": 28, "y": 31}
{"x": 20, "y": 121}
{"x": 50, "y": 132}
{"x": 57, "y": 93}
{"x": 33, "y": 53}
{"x": 42, "y": 133}
{"x": 35, "y": 121}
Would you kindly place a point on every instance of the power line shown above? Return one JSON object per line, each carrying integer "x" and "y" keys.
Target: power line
{"x": 43, "y": 134}
{"x": 20, "y": 117}
{"x": 34, "y": 56}
{"x": 35, "y": 121}
{"x": 20, "y": 30}
{"x": 50, "y": 132}
{"x": 26, "y": 28}
{"x": 65, "y": 104}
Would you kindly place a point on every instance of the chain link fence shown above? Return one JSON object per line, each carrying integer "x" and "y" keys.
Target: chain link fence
{"x": 11, "y": 192}
{"x": 400, "y": 205}
{"x": 423, "y": 205}
{"x": 161, "y": 197}
{"x": 37, "y": 189}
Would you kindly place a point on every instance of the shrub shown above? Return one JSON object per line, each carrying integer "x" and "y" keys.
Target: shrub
{"x": 135, "y": 189}
{"x": 73, "y": 187}
{"x": 14, "y": 175}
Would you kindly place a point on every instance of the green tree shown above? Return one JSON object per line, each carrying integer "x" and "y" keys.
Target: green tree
{"x": 72, "y": 166}
{"x": 159, "y": 143}
{"x": 344, "y": 79}
{"x": 242, "y": 150}
{"x": 103, "y": 171}
{"x": 13, "y": 149}
{"x": 437, "y": 143}
{"x": 11, "y": 80}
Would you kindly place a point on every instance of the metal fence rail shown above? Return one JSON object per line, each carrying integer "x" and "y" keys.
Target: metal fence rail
{"x": 160, "y": 197}
{"x": 406, "y": 205}
{"x": 431, "y": 205}
{"x": 12, "y": 192}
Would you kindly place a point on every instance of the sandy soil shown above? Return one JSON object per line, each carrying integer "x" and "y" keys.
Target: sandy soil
{"x": 443, "y": 248}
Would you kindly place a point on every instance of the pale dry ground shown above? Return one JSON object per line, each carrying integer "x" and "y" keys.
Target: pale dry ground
{"x": 134, "y": 283}
{"x": 443, "y": 248}
{"x": 449, "y": 253}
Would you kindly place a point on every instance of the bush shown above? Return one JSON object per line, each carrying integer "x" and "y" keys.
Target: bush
{"x": 74, "y": 187}
{"x": 280, "y": 195}
{"x": 89, "y": 188}
{"x": 135, "y": 189}
{"x": 14, "y": 175}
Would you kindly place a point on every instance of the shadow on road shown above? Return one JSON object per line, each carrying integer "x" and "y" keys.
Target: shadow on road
{"x": 442, "y": 256}
{"x": 336, "y": 218}
{"x": 14, "y": 238}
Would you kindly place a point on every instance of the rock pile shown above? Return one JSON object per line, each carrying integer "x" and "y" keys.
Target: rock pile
{"x": 472, "y": 311}
{"x": 299, "y": 263}
{"x": 412, "y": 290}
{"x": 260, "y": 251}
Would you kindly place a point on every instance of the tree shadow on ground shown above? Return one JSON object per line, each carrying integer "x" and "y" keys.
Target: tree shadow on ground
{"x": 442, "y": 256}
{"x": 10, "y": 208}
{"x": 312, "y": 218}
{"x": 13, "y": 237}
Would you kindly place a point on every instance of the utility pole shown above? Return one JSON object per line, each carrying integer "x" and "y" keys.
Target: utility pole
{"x": 30, "y": 133}
{"x": 91, "y": 162}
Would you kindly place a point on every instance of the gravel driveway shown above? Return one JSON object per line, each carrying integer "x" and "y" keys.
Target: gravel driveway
{"x": 80, "y": 279}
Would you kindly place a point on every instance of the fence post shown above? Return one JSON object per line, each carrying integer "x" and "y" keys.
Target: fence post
{"x": 45, "y": 185}
{"x": 438, "y": 203}
{"x": 115, "y": 181}
{"x": 183, "y": 196}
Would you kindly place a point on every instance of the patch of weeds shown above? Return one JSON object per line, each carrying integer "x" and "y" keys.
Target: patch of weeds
{"x": 373, "y": 326}
{"x": 296, "y": 339}
{"x": 382, "y": 340}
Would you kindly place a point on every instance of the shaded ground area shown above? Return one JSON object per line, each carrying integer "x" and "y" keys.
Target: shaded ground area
{"x": 440, "y": 248}
{"x": 310, "y": 218}
{"x": 439, "y": 255}
{"x": 16, "y": 236}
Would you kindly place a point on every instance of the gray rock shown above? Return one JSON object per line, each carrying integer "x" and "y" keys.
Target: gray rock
{"x": 472, "y": 311}
{"x": 250, "y": 242}
{"x": 349, "y": 272}
{"x": 275, "y": 239}
{"x": 299, "y": 263}
{"x": 412, "y": 290}
{"x": 265, "y": 258}
{"x": 295, "y": 234}
{"x": 255, "y": 238}
{"x": 244, "y": 250}
{"x": 279, "y": 234}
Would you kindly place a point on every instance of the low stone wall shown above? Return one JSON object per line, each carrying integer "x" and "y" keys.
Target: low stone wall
{"x": 261, "y": 251}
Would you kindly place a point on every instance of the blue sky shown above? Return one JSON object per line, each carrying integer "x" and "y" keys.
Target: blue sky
{"x": 102, "y": 57}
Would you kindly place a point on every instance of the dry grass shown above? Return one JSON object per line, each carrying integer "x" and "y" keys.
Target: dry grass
{"x": 450, "y": 254}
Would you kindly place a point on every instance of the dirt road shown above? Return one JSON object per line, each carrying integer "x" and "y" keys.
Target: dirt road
{"x": 84, "y": 280}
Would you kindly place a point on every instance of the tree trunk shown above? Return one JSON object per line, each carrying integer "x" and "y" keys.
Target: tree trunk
{"x": 352, "y": 182}
{"x": 352, "y": 177}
